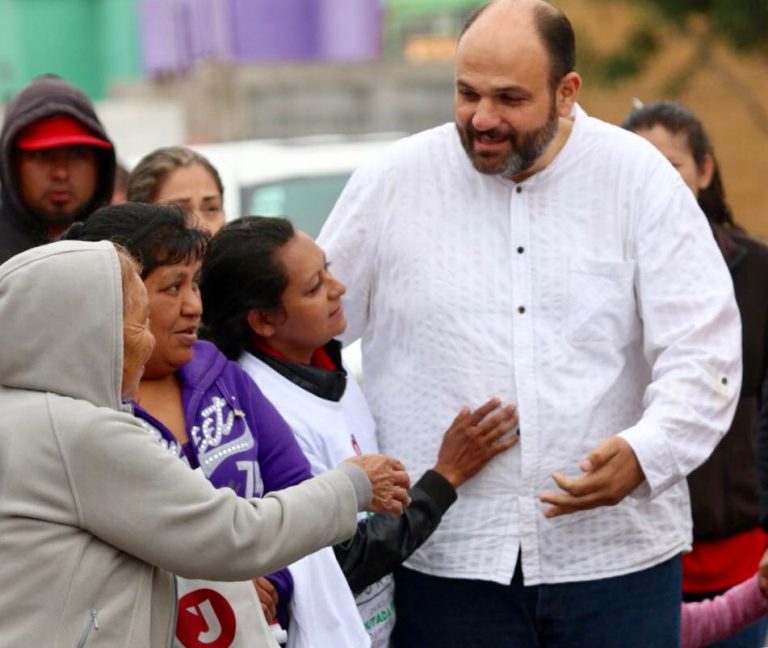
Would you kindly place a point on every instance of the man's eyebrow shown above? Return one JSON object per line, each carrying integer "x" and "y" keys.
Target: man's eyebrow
{"x": 514, "y": 89}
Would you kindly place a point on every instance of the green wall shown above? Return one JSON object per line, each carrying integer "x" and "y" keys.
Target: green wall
{"x": 88, "y": 42}
{"x": 430, "y": 6}
{"x": 423, "y": 16}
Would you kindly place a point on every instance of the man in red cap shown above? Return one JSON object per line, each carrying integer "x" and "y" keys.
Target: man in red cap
{"x": 56, "y": 164}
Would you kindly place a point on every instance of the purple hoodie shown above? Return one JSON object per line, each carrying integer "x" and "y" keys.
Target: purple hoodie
{"x": 236, "y": 436}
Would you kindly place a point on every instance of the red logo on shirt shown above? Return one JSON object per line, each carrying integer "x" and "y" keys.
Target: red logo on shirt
{"x": 206, "y": 620}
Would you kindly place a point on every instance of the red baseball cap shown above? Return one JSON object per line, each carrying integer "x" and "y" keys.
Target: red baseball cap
{"x": 60, "y": 130}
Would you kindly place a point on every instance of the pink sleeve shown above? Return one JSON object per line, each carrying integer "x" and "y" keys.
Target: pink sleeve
{"x": 712, "y": 620}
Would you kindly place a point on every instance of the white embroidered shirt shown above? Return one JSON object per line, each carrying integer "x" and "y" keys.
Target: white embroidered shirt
{"x": 592, "y": 295}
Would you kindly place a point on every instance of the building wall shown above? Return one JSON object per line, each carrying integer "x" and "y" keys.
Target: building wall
{"x": 726, "y": 90}
{"x": 88, "y": 42}
{"x": 176, "y": 34}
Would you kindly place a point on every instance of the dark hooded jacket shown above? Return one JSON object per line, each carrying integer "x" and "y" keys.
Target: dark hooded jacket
{"x": 724, "y": 489}
{"x": 45, "y": 97}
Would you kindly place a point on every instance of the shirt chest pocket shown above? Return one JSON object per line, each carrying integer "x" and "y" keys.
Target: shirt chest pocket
{"x": 601, "y": 301}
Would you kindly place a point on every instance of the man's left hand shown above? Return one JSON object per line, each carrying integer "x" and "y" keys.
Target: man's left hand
{"x": 612, "y": 472}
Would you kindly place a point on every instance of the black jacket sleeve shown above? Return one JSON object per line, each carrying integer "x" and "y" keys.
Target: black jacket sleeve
{"x": 383, "y": 542}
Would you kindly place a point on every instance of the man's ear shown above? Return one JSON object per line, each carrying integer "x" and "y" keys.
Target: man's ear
{"x": 261, "y": 323}
{"x": 567, "y": 93}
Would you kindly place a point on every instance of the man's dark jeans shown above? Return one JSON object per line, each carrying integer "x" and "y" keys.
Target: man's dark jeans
{"x": 640, "y": 610}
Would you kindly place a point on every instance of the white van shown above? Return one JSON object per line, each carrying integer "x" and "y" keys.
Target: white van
{"x": 299, "y": 178}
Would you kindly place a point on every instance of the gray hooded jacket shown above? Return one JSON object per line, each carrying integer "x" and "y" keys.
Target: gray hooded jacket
{"x": 94, "y": 515}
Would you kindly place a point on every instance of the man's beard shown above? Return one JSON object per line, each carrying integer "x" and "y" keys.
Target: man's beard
{"x": 58, "y": 218}
{"x": 526, "y": 148}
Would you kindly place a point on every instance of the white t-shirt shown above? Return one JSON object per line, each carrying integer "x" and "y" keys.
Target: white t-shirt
{"x": 329, "y": 432}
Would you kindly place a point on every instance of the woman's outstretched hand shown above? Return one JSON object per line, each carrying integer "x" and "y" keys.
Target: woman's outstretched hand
{"x": 389, "y": 482}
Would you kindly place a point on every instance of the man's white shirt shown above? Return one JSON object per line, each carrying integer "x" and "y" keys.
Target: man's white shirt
{"x": 592, "y": 296}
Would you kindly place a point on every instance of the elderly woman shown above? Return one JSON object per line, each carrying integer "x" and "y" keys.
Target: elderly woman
{"x": 95, "y": 516}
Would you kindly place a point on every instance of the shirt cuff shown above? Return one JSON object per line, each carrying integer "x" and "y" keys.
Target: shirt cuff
{"x": 438, "y": 489}
{"x": 360, "y": 481}
{"x": 655, "y": 457}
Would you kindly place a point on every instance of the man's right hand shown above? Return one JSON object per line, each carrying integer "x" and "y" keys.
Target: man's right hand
{"x": 389, "y": 482}
{"x": 475, "y": 438}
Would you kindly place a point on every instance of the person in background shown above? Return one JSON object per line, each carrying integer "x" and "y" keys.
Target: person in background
{"x": 95, "y": 517}
{"x": 176, "y": 175}
{"x": 728, "y": 539}
{"x": 727, "y": 615}
{"x": 271, "y": 302}
{"x": 531, "y": 251}
{"x": 57, "y": 164}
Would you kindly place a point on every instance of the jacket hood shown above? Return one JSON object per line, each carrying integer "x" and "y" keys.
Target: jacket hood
{"x": 44, "y": 97}
{"x": 61, "y": 321}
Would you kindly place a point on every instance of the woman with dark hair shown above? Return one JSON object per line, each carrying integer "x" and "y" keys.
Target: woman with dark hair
{"x": 199, "y": 406}
{"x": 176, "y": 175}
{"x": 272, "y": 303}
{"x": 728, "y": 540}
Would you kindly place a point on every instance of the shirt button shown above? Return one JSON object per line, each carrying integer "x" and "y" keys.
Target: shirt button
{"x": 519, "y": 189}
{"x": 520, "y": 250}
{"x": 521, "y": 309}
{"x": 724, "y": 381}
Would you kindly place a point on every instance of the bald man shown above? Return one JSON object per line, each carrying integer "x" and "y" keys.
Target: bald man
{"x": 532, "y": 252}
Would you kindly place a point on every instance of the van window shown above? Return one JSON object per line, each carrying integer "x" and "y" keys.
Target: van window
{"x": 307, "y": 201}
